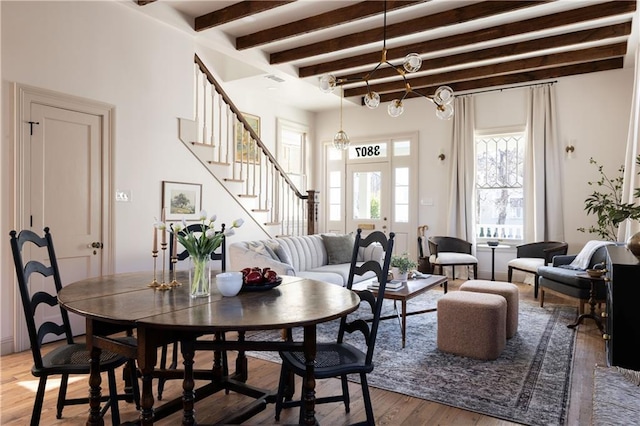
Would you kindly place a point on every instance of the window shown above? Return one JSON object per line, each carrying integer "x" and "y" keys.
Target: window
{"x": 499, "y": 186}
{"x": 292, "y": 139}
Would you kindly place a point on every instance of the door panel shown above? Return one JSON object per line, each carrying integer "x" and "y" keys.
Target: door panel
{"x": 66, "y": 190}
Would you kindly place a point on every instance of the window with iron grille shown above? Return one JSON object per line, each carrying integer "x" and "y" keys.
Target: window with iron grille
{"x": 499, "y": 186}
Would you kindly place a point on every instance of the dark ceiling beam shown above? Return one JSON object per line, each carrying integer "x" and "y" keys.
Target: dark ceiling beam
{"x": 330, "y": 19}
{"x": 516, "y": 78}
{"x": 488, "y": 34}
{"x": 519, "y": 48}
{"x": 479, "y": 10}
{"x": 234, "y": 12}
{"x": 544, "y": 61}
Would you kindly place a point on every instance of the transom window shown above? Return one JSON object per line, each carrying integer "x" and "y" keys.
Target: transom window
{"x": 499, "y": 186}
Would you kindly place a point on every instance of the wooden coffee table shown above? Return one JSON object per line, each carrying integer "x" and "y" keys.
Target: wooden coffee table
{"x": 412, "y": 288}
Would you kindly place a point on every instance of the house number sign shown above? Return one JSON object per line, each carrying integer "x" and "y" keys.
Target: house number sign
{"x": 368, "y": 151}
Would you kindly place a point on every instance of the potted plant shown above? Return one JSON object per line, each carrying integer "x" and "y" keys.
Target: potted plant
{"x": 402, "y": 265}
{"x": 606, "y": 203}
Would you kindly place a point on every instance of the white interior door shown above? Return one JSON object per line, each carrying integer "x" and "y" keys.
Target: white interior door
{"x": 62, "y": 157}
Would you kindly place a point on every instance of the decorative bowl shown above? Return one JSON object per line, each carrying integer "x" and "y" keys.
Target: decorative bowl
{"x": 595, "y": 273}
{"x": 493, "y": 243}
{"x": 229, "y": 283}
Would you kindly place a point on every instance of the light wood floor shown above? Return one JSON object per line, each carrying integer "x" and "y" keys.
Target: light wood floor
{"x": 17, "y": 389}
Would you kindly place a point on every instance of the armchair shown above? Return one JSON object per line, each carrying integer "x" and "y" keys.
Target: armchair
{"x": 561, "y": 278}
{"x": 533, "y": 255}
{"x": 451, "y": 251}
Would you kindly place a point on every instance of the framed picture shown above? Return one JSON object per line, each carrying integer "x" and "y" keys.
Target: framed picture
{"x": 246, "y": 150}
{"x": 181, "y": 200}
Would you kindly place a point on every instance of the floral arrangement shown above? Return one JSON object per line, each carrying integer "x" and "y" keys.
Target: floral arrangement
{"x": 202, "y": 245}
{"x": 199, "y": 246}
{"x": 403, "y": 263}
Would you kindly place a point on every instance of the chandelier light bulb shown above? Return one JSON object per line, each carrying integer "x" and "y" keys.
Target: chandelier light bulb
{"x": 341, "y": 140}
{"x": 327, "y": 83}
{"x": 372, "y": 100}
{"x": 444, "y": 112}
{"x": 395, "y": 108}
{"x": 443, "y": 95}
{"x": 412, "y": 62}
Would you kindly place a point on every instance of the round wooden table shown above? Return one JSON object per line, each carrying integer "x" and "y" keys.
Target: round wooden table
{"x": 115, "y": 303}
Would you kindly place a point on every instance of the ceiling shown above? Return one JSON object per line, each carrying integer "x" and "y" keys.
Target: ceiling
{"x": 284, "y": 47}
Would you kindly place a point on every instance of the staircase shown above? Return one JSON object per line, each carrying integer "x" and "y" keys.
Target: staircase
{"x": 225, "y": 143}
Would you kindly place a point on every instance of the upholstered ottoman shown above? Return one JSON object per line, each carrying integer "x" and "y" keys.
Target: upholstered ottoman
{"x": 507, "y": 290}
{"x": 472, "y": 324}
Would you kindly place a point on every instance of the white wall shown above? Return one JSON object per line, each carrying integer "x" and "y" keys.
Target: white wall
{"x": 109, "y": 52}
{"x": 592, "y": 109}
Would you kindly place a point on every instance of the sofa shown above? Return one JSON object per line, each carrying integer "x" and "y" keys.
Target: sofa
{"x": 324, "y": 257}
{"x": 562, "y": 278}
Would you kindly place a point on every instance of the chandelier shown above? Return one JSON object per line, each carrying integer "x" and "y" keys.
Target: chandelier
{"x": 442, "y": 97}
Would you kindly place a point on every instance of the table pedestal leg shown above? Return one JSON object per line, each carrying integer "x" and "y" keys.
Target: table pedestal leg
{"x": 188, "y": 384}
{"x": 493, "y": 263}
{"x": 94, "y": 389}
{"x": 592, "y": 310}
{"x": 309, "y": 384}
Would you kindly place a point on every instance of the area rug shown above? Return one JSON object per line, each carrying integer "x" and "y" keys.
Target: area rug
{"x": 529, "y": 383}
{"x": 616, "y": 396}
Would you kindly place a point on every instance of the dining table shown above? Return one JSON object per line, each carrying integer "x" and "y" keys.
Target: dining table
{"x": 113, "y": 304}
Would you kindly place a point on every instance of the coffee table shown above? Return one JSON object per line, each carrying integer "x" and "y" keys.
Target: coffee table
{"x": 412, "y": 288}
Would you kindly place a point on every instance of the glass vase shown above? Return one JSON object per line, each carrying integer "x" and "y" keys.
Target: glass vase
{"x": 200, "y": 276}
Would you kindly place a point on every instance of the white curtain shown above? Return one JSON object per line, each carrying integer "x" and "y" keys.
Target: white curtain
{"x": 543, "y": 211}
{"x": 461, "y": 218}
{"x": 631, "y": 178}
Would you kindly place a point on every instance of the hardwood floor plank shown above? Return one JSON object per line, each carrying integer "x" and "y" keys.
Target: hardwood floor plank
{"x": 390, "y": 408}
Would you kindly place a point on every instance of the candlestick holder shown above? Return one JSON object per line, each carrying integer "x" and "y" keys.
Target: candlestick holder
{"x": 154, "y": 283}
{"x": 174, "y": 282}
{"x": 163, "y": 285}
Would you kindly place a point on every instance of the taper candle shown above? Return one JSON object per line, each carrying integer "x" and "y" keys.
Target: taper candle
{"x": 175, "y": 244}
{"x": 164, "y": 231}
{"x": 155, "y": 238}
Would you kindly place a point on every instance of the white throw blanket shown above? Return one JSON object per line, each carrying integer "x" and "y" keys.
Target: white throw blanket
{"x": 584, "y": 257}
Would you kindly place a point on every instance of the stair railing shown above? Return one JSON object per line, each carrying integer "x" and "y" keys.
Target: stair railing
{"x": 236, "y": 144}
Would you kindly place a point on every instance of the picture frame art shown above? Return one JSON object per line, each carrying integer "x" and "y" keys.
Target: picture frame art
{"x": 181, "y": 200}
{"x": 246, "y": 150}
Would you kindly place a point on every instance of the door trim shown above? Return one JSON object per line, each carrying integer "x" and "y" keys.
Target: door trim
{"x": 24, "y": 96}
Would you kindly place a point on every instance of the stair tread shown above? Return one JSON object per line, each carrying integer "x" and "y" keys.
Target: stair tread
{"x": 221, "y": 163}
{"x": 260, "y": 210}
{"x": 233, "y": 180}
{"x": 247, "y": 196}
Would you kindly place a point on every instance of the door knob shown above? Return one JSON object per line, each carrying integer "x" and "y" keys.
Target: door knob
{"x": 96, "y": 244}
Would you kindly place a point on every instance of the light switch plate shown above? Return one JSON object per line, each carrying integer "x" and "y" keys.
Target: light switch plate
{"x": 123, "y": 196}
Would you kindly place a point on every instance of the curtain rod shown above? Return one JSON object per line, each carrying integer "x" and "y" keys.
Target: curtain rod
{"x": 507, "y": 88}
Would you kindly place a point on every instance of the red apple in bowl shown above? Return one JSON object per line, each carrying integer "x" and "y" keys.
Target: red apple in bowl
{"x": 253, "y": 278}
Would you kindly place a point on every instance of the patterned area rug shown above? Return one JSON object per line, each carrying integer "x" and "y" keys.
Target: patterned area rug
{"x": 529, "y": 383}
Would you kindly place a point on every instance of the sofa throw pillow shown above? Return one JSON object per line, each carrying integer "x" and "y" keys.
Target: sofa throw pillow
{"x": 339, "y": 248}
{"x": 283, "y": 254}
{"x": 262, "y": 249}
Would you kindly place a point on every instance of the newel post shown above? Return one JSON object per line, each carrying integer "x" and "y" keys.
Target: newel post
{"x": 312, "y": 212}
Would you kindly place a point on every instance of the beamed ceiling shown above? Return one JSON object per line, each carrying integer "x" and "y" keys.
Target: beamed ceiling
{"x": 467, "y": 45}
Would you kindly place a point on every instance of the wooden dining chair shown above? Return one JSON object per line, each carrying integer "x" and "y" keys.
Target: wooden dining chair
{"x": 220, "y": 254}
{"x": 340, "y": 358}
{"x": 69, "y": 358}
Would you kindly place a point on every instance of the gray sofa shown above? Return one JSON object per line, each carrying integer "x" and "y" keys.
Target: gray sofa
{"x": 565, "y": 281}
{"x": 324, "y": 257}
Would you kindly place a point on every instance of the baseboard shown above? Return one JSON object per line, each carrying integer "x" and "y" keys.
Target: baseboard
{"x": 6, "y": 346}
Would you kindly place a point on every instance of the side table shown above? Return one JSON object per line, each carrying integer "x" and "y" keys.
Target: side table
{"x": 592, "y": 303}
{"x": 493, "y": 258}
